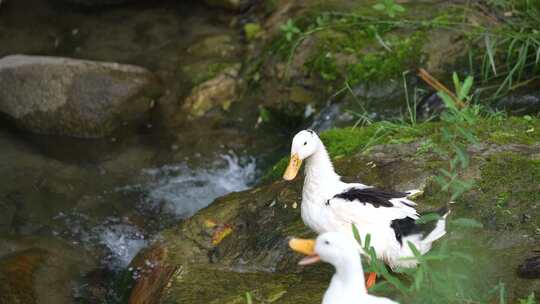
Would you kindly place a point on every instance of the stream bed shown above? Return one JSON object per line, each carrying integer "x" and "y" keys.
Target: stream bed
{"x": 103, "y": 200}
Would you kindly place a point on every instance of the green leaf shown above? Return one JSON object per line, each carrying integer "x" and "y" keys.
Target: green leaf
{"x": 264, "y": 114}
{"x": 468, "y": 135}
{"x": 462, "y": 156}
{"x": 443, "y": 183}
{"x": 419, "y": 278}
{"x": 446, "y": 173}
{"x": 414, "y": 250}
{"x": 466, "y": 88}
{"x": 249, "y": 300}
{"x": 379, "y": 6}
{"x": 399, "y": 8}
{"x": 356, "y": 234}
{"x": 448, "y": 101}
{"x": 467, "y": 222}
{"x": 288, "y": 36}
{"x": 490, "y": 52}
{"x": 457, "y": 82}
{"x": 426, "y": 218}
{"x": 530, "y": 299}
{"x": 367, "y": 242}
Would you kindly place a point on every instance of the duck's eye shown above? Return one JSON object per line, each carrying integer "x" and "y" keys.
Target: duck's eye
{"x": 327, "y": 242}
{"x": 305, "y": 143}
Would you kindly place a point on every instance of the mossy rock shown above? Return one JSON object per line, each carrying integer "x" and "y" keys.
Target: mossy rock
{"x": 323, "y": 45}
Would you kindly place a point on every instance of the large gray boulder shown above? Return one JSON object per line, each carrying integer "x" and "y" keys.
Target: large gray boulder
{"x": 72, "y": 97}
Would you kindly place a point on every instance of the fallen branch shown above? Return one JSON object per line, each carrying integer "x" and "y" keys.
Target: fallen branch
{"x": 438, "y": 86}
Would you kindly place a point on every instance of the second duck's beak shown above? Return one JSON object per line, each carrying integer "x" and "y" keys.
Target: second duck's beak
{"x": 292, "y": 169}
{"x": 306, "y": 247}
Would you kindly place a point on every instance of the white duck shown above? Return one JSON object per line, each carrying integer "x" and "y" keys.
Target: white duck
{"x": 340, "y": 250}
{"x": 328, "y": 204}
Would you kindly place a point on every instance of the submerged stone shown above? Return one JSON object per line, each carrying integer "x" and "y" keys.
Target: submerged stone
{"x": 220, "y": 91}
{"x": 39, "y": 270}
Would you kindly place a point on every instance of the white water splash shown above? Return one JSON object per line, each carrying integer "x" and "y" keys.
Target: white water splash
{"x": 177, "y": 190}
{"x": 118, "y": 239}
{"x": 182, "y": 191}
{"x": 123, "y": 242}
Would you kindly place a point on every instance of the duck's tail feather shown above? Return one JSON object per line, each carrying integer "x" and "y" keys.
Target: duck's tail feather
{"x": 440, "y": 227}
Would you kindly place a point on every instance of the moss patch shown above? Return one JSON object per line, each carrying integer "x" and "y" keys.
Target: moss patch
{"x": 509, "y": 194}
{"x": 342, "y": 142}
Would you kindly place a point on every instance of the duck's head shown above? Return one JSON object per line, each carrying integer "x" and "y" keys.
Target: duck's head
{"x": 335, "y": 248}
{"x": 304, "y": 144}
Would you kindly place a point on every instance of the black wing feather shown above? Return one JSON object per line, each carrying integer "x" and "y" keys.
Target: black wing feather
{"x": 374, "y": 196}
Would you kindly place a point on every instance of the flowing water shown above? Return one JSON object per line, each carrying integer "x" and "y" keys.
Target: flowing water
{"x": 107, "y": 198}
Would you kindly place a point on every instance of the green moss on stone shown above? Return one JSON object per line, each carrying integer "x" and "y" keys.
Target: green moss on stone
{"x": 403, "y": 53}
{"x": 510, "y": 193}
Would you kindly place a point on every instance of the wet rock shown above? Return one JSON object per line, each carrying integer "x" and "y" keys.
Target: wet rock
{"x": 530, "y": 269}
{"x": 73, "y": 97}
{"x": 222, "y": 45}
{"x": 220, "y": 91}
{"x": 236, "y": 5}
{"x": 39, "y": 270}
{"x": 154, "y": 276}
{"x": 442, "y": 49}
{"x": 7, "y": 216}
{"x": 429, "y": 106}
{"x": 521, "y": 104}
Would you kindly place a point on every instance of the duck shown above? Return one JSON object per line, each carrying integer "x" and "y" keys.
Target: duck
{"x": 389, "y": 217}
{"x": 339, "y": 250}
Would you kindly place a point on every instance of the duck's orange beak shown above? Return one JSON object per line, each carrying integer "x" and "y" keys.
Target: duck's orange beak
{"x": 292, "y": 169}
{"x": 306, "y": 247}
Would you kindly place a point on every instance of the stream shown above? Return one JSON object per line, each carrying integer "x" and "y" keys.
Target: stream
{"x": 105, "y": 199}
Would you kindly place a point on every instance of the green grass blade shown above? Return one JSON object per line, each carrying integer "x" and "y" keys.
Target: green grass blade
{"x": 490, "y": 52}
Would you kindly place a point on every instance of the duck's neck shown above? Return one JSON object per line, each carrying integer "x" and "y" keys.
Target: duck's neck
{"x": 349, "y": 278}
{"x": 319, "y": 170}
